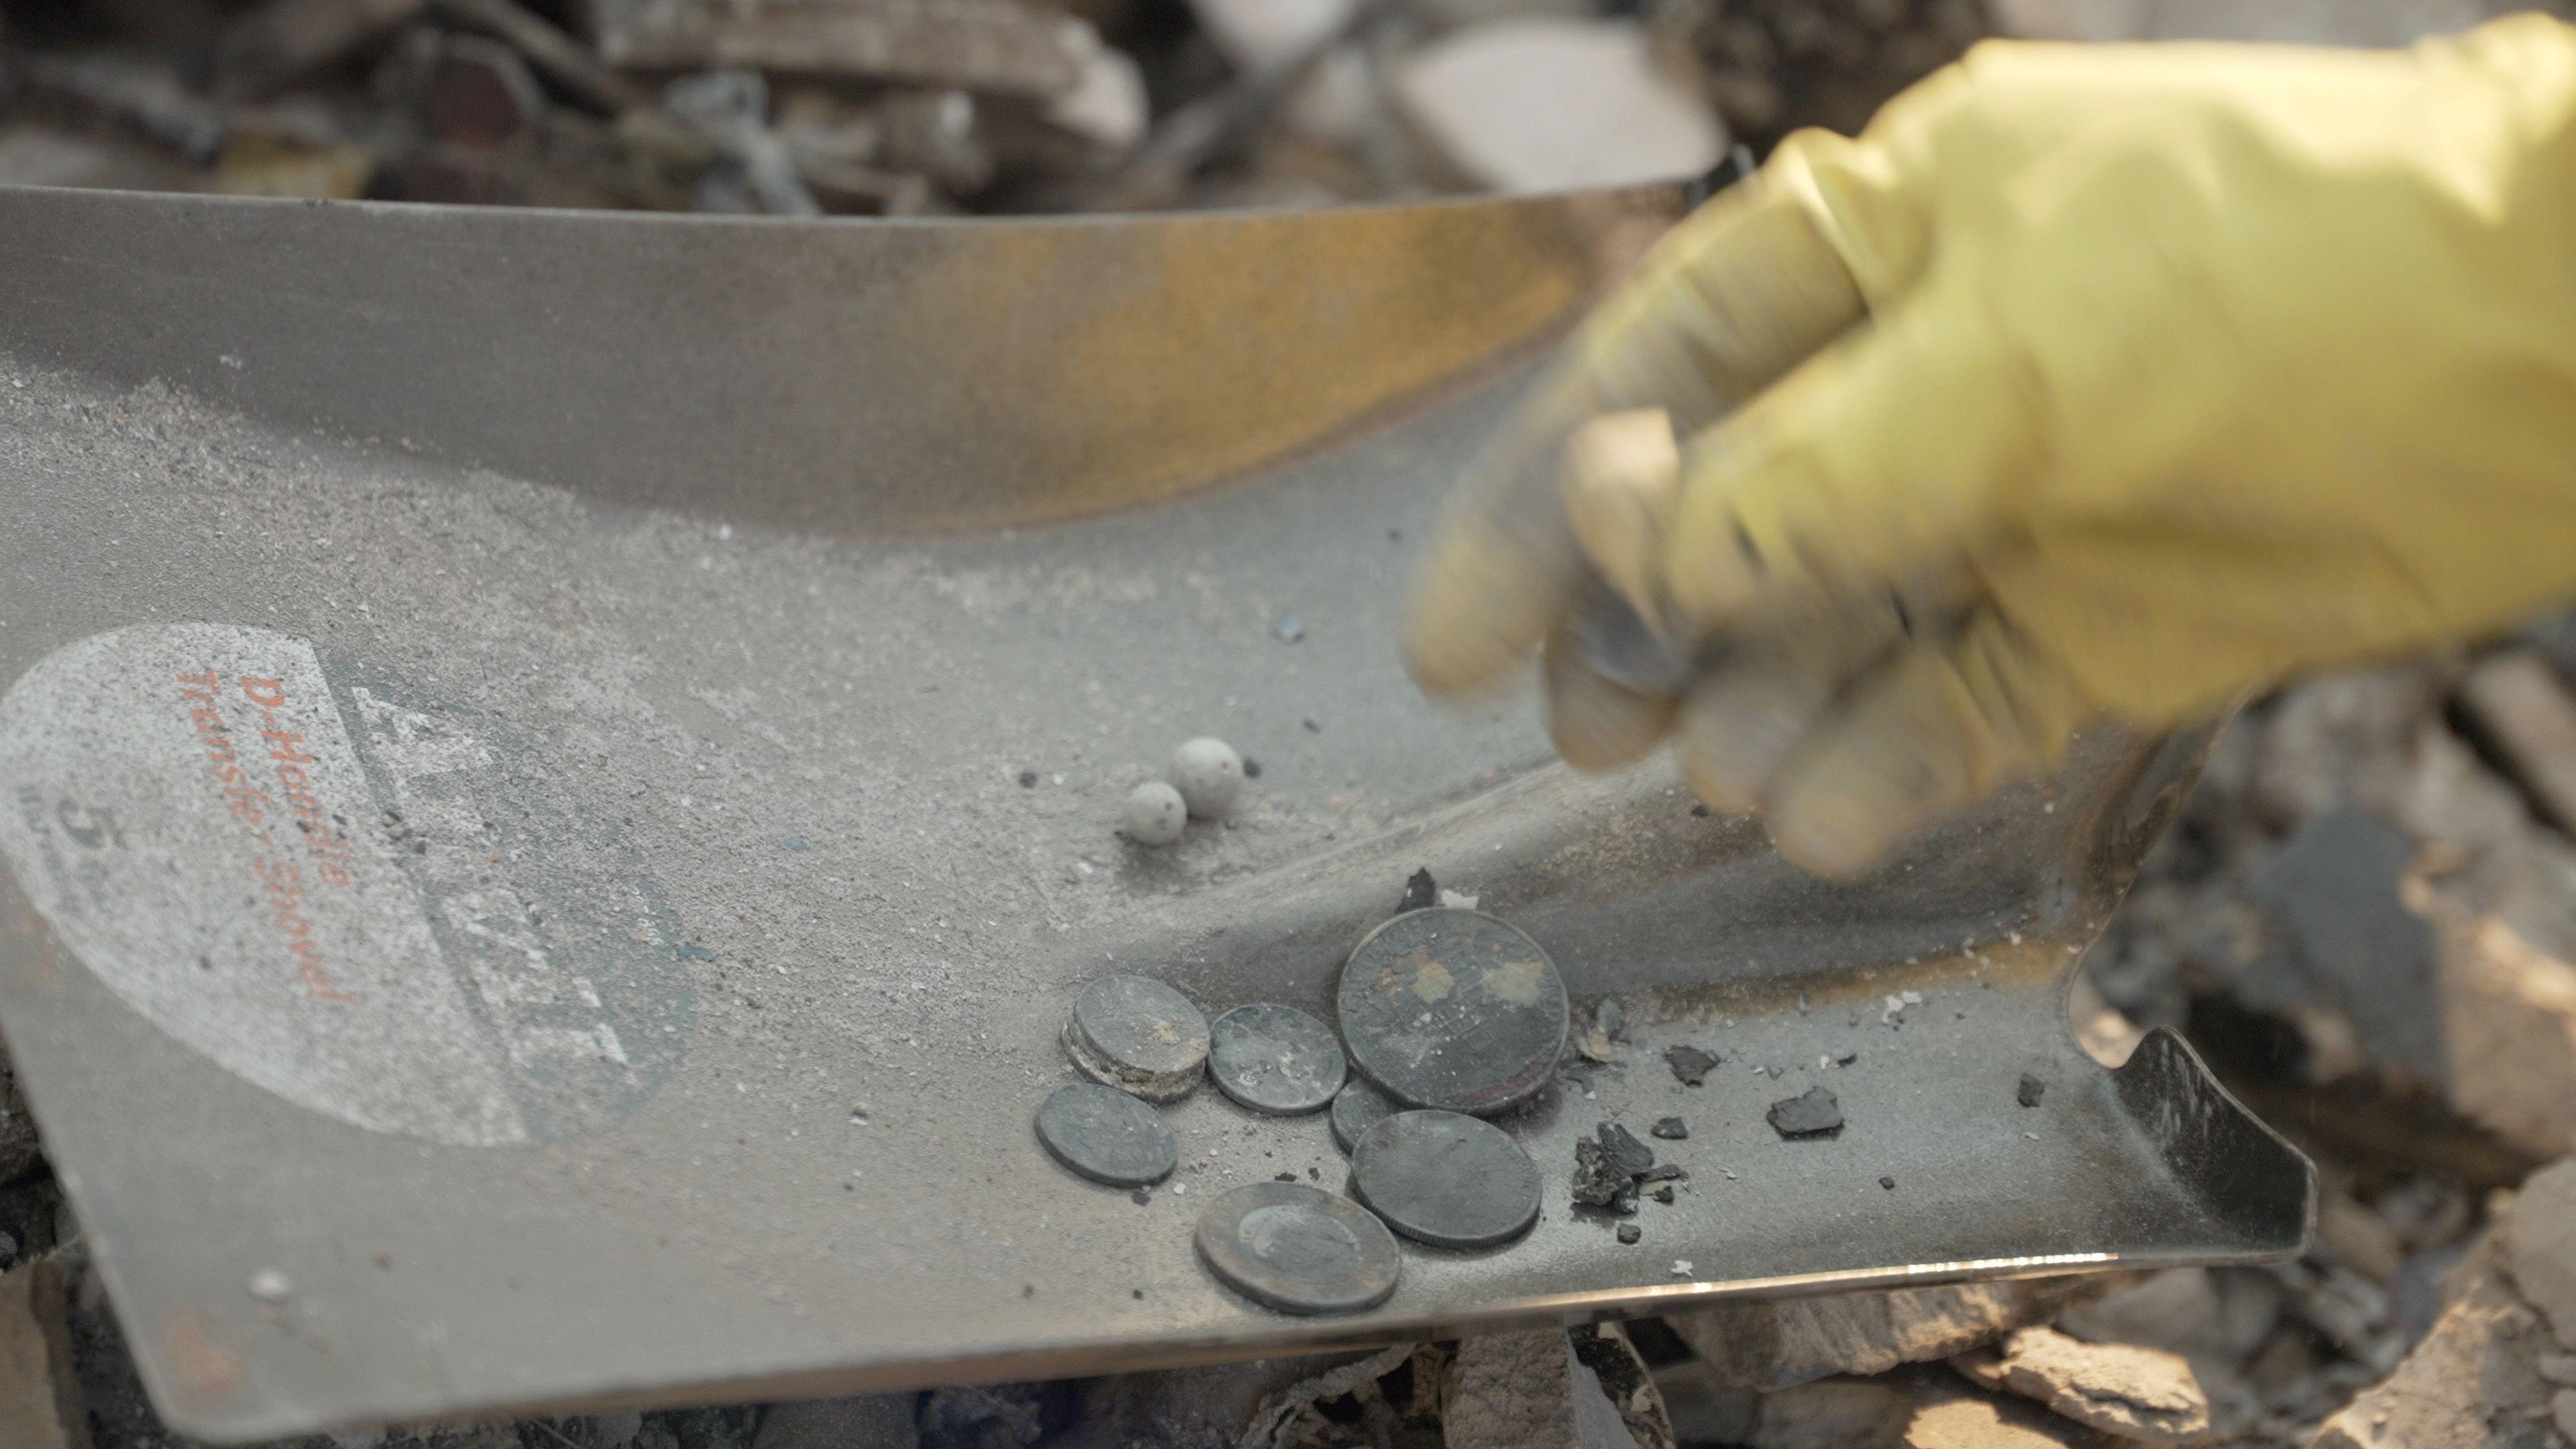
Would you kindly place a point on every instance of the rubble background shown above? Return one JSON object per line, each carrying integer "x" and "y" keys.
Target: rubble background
{"x": 2365, "y": 919}
{"x": 928, "y": 107}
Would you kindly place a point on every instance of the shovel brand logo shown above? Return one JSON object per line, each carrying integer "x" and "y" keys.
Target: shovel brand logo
{"x": 379, "y": 909}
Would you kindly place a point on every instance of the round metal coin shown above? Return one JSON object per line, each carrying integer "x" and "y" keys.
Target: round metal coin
{"x": 1446, "y": 1179}
{"x": 1106, "y": 1135}
{"x": 1453, "y": 1009}
{"x": 1275, "y": 1059}
{"x": 1356, "y": 1108}
{"x": 1299, "y": 1249}
{"x": 1138, "y": 1035}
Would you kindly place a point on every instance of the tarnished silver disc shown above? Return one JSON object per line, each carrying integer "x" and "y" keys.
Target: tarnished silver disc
{"x": 1453, "y": 1009}
{"x": 1106, "y": 1135}
{"x": 1299, "y": 1249}
{"x": 1446, "y": 1179}
{"x": 1357, "y": 1107}
{"x": 1138, "y": 1035}
{"x": 1275, "y": 1059}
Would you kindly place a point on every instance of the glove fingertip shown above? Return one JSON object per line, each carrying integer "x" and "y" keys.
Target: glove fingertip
{"x": 1727, "y": 753}
{"x": 1478, "y": 609}
{"x": 1595, "y": 723}
{"x": 1831, "y": 832}
{"x": 1717, "y": 789}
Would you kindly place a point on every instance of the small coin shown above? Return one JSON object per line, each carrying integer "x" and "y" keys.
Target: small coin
{"x": 1453, "y": 1009}
{"x": 1138, "y": 1035}
{"x": 1357, "y": 1108}
{"x": 1275, "y": 1059}
{"x": 1299, "y": 1249}
{"x": 1446, "y": 1179}
{"x": 1106, "y": 1135}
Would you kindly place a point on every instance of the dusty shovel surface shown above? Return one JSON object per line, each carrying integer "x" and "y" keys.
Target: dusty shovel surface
{"x": 520, "y": 886}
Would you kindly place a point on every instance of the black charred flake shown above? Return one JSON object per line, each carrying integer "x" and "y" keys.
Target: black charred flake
{"x": 1608, "y": 1167}
{"x": 1598, "y": 1182}
{"x": 1690, "y": 1065}
{"x": 1811, "y": 1114}
{"x": 1421, "y": 892}
{"x": 1626, "y": 1153}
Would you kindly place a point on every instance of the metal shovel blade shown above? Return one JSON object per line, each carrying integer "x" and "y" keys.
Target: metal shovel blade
{"x": 560, "y": 775}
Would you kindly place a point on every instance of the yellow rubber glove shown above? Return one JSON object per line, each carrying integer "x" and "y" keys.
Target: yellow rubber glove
{"x": 2087, "y": 382}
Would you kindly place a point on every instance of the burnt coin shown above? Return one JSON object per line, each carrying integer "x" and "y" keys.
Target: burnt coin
{"x": 1446, "y": 1179}
{"x": 1275, "y": 1059}
{"x": 1356, "y": 1108}
{"x": 1106, "y": 1135}
{"x": 1454, "y": 1010}
{"x": 1299, "y": 1249}
{"x": 1138, "y": 1035}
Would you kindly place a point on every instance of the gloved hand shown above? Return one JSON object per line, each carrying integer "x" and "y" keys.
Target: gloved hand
{"x": 2087, "y": 382}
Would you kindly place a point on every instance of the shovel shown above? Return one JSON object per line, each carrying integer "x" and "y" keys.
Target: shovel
{"x": 559, "y": 775}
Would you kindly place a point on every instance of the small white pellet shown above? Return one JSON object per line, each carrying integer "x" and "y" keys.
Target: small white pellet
{"x": 1155, "y": 814}
{"x": 1209, "y": 774}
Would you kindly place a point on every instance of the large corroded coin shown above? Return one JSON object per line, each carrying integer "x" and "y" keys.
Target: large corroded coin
{"x": 1299, "y": 1248}
{"x": 1138, "y": 1035}
{"x": 1454, "y": 1010}
{"x": 1446, "y": 1179}
{"x": 1106, "y": 1135}
{"x": 1275, "y": 1059}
